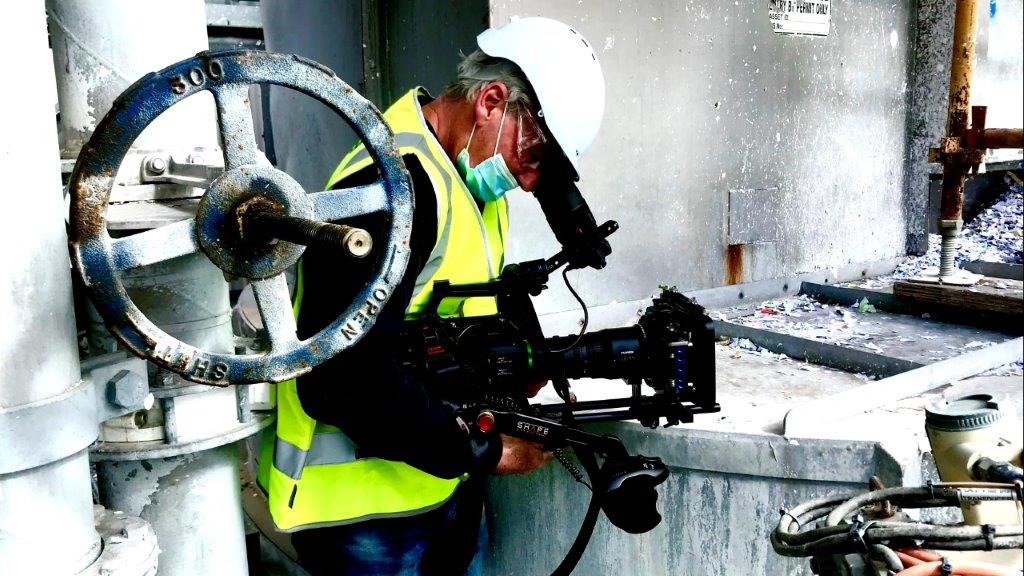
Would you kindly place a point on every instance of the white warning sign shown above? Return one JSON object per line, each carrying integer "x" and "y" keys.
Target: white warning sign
{"x": 808, "y": 17}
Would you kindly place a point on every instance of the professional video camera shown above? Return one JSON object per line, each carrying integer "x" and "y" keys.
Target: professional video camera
{"x": 482, "y": 365}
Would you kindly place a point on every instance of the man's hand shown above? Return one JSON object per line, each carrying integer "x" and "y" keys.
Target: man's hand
{"x": 520, "y": 456}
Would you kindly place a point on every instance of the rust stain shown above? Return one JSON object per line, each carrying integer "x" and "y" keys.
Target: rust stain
{"x": 733, "y": 264}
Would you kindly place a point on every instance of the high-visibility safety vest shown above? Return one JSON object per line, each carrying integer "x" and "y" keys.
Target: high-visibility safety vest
{"x": 310, "y": 469}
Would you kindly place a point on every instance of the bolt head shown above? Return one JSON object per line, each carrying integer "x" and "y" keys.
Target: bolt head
{"x": 157, "y": 164}
{"x": 127, "y": 389}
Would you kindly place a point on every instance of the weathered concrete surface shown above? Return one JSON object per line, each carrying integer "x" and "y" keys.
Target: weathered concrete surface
{"x": 702, "y": 99}
{"x": 729, "y": 475}
{"x": 718, "y": 506}
{"x": 926, "y": 110}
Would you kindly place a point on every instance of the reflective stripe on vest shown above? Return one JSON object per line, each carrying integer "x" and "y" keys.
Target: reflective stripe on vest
{"x": 309, "y": 469}
{"x": 326, "y": 448}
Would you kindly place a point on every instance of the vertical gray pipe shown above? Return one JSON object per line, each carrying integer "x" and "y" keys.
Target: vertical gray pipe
{"x": 46, "y": 516}
{"x": 193, "y": 503}
{"x": 100, "y": 48}
{"x": 192, "y": 500}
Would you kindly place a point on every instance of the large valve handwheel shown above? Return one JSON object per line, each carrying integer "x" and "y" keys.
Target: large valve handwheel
{"x": 248, "y": 182}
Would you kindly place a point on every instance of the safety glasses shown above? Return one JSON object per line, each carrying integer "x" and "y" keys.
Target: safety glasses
{"x": 531, "y": 140}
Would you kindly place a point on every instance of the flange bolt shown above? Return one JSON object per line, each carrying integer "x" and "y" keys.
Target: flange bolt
{"x": 156, "y": 164}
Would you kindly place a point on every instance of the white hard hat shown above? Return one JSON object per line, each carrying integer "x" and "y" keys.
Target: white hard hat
{"x": 564, "y": 72}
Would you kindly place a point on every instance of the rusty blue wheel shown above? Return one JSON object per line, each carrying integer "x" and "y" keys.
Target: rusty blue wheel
{"x": 100, "y": 260}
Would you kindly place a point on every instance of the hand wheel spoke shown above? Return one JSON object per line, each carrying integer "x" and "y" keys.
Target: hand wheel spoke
{"x": 156, "y": 245}
{"x": 344, "y": 203}
{"x": 275, "y": 307}
{"x": 236, "y": 128}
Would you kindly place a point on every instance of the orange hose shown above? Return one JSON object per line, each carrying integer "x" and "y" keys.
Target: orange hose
{"x": 961, "y": 568}
{"x": 922, "y": 555}
{"x": 908, "y": 560}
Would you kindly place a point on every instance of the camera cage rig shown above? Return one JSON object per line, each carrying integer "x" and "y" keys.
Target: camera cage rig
{"x": 512, "y": 291}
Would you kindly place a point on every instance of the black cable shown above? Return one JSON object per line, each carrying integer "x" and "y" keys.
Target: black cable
{"x": 575, "y": 472}
{"x": 588, "y": 460}
{"x": 586, "y": 314}
{"x": 892, "y": 561}
{"x": 794, "y": 535}
{"x": 572, "y": 557}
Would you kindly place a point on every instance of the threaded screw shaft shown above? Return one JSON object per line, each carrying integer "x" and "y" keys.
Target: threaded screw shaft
{"x": 947, "y": 255}
{"x": 356, "y": 241}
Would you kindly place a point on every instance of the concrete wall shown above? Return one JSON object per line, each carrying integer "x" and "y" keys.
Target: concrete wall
{"x": 713, "y": 123}
{"x": 719, "y": 505}
{"x": 423, "y": 41}
{"x": 702, "y": 99}
{"x": 999, "y": 75}
{"x": 926, "y": 117}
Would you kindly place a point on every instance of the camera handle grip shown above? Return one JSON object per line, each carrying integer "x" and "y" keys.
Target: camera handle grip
{"x": 630, "y": 498}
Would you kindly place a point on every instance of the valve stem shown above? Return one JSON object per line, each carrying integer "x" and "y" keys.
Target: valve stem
{"x": 260, "y": 221}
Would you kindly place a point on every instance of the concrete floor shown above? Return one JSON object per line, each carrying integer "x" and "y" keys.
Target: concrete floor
{"x": 908, "y": 337}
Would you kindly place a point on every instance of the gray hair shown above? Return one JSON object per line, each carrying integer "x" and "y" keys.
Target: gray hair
{"x": 478, "y": 70}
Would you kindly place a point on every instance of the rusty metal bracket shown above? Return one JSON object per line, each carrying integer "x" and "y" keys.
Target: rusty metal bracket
{"x": 969, "y": 149}
{"x": 951, "y": 151}
{"x": 164, "y": 168}
{"x": 100, "y": 260}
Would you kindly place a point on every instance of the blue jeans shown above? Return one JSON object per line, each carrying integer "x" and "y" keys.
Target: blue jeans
{"x": 446, "y": 541}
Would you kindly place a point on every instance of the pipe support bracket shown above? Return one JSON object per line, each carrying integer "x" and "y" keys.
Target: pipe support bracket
{"x": 42, "y": 432}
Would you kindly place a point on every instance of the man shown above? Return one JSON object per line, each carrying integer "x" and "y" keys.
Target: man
{"x": 372, "y": 473}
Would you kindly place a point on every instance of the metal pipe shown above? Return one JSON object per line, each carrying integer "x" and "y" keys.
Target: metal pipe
{"x": 193, "y": 503}
{"x": 100, "y": 47}
{"x": 192, "y": 498}
{"x": 962, "y": 67}
{"x": 1002, "y": 138}
{"x": 187, "y": 297}
{"x": 46, "y": 516}
{"x": 265, "y": 225}
{"x": 954, "y": 173}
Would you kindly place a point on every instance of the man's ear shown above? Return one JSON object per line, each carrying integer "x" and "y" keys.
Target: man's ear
{"x": 489, "y": 100}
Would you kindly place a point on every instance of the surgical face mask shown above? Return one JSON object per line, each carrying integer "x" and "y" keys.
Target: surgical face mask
{"x": 490, "y": 179}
